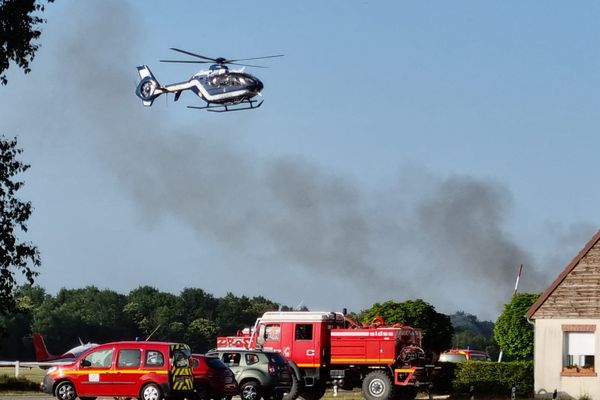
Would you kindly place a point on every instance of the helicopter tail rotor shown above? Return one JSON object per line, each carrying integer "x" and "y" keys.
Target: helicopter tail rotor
{"x": 148, "y": 89}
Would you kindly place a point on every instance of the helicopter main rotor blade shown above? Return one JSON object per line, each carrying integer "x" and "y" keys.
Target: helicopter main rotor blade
{"x": 186, "y": 61}
{"x": 253, "y": 58}
{"x": 246, "y": 65}
{"x": 193, "y": 54}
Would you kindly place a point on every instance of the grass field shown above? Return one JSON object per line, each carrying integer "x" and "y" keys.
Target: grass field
{"x": 32, "y": 374}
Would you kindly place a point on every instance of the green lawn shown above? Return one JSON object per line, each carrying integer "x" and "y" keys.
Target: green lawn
{"x": 34, "y": 375}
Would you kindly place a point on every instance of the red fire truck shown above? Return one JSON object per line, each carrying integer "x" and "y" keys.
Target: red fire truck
{"x": 386, "y": 361}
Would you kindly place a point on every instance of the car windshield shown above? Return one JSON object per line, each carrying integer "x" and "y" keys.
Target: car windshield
{"x": 276, "y": 358}
{"x": 214, "y": 362}
{"x": 453, "y": 358}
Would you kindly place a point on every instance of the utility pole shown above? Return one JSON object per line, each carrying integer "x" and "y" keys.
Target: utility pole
{"x": 514, "y": 292}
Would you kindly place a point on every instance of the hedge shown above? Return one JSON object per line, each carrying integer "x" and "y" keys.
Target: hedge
{"x": 12, "y": 383}
{"x": 492, "y": 378}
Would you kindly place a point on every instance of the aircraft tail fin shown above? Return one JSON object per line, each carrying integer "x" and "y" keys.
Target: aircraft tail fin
{"x": 41, "y": 352}
{"x": 148, "y": 89}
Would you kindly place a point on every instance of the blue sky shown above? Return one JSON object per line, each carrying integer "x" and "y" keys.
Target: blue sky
{"x": 404, "y": 149}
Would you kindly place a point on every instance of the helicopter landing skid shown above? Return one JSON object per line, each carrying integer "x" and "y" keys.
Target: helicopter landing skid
{"x": 250, "y": 104}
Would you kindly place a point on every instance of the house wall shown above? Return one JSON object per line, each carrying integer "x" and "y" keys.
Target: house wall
{"x": 548, "y": 360}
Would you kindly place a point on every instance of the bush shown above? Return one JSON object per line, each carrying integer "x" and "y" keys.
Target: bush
{"x": 12, "y": 383}
{"x": 490, "y": 378}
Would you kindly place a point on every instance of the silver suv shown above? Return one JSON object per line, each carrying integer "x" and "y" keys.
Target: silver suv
{"x": 260, "y": 374}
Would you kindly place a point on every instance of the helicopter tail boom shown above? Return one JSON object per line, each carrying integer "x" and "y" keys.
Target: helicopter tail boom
{"x": 148, "y": 89}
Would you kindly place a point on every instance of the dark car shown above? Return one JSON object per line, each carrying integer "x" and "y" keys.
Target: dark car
{"x": 212, "y": 378}
{"x": 260, "y": 374}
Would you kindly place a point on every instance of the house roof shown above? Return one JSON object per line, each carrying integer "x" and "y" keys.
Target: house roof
{"x": 574, "y": 262}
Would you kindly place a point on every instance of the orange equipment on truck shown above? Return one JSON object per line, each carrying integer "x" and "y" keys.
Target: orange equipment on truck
{"x": 386, "y": 361}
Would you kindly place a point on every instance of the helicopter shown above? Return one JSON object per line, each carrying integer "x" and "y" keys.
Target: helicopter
{"x": 222, "y": 89}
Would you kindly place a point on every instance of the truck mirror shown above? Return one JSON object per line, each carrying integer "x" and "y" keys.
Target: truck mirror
{"x": 85, "y": 363}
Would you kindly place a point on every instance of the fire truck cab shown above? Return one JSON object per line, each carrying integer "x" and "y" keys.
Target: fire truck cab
{"x": 304, "y": 337}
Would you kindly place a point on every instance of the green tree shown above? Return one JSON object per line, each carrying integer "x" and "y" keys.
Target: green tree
{"x": 87, "y": 314}
{"x": 15, "y": 255}
{"x": 201, "y": 335}
{"x": 437, "y": 328}
{"x": 155, "y": 313}
{"x": 513, "y": 333}
{"x": 234, "y": 312}
{"x": 19, "y": 28}
{"x": 196, "y": 304}
{"x": 16, "y": 344}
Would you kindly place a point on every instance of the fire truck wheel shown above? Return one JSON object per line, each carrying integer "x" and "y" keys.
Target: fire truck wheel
{"x": 377, "y": 385}
{"x": 313, "y": 392}
{"x": 293, "y": 393}
{"x": 250, "y": 391}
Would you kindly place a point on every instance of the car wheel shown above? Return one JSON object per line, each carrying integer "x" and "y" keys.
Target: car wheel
{"x": 201, "y": 393}
{"x": 294, "y": 389}
{"x": 250, "y": 391}
{"x": 65, "y": 391}
{"x": 151, "y": 392}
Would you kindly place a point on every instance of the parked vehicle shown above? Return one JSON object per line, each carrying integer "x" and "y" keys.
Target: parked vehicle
{"x": 212, "y": 378}
{"x": 460, "y": 355}
{"x": 260, "y": 374}
{"x": 144, "y": 370}
{"x": 387, "y": 362}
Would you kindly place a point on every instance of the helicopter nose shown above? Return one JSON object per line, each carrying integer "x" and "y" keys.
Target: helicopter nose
{"x": 258, "y": 87}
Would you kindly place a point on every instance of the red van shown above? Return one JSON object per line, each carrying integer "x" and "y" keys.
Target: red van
{"x": 145, "y": 370}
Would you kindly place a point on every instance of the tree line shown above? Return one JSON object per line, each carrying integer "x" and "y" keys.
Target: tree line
{"x": 193, "y": 316}
{"x": 90, "y": 314}
{"x": 197, "y": 317}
